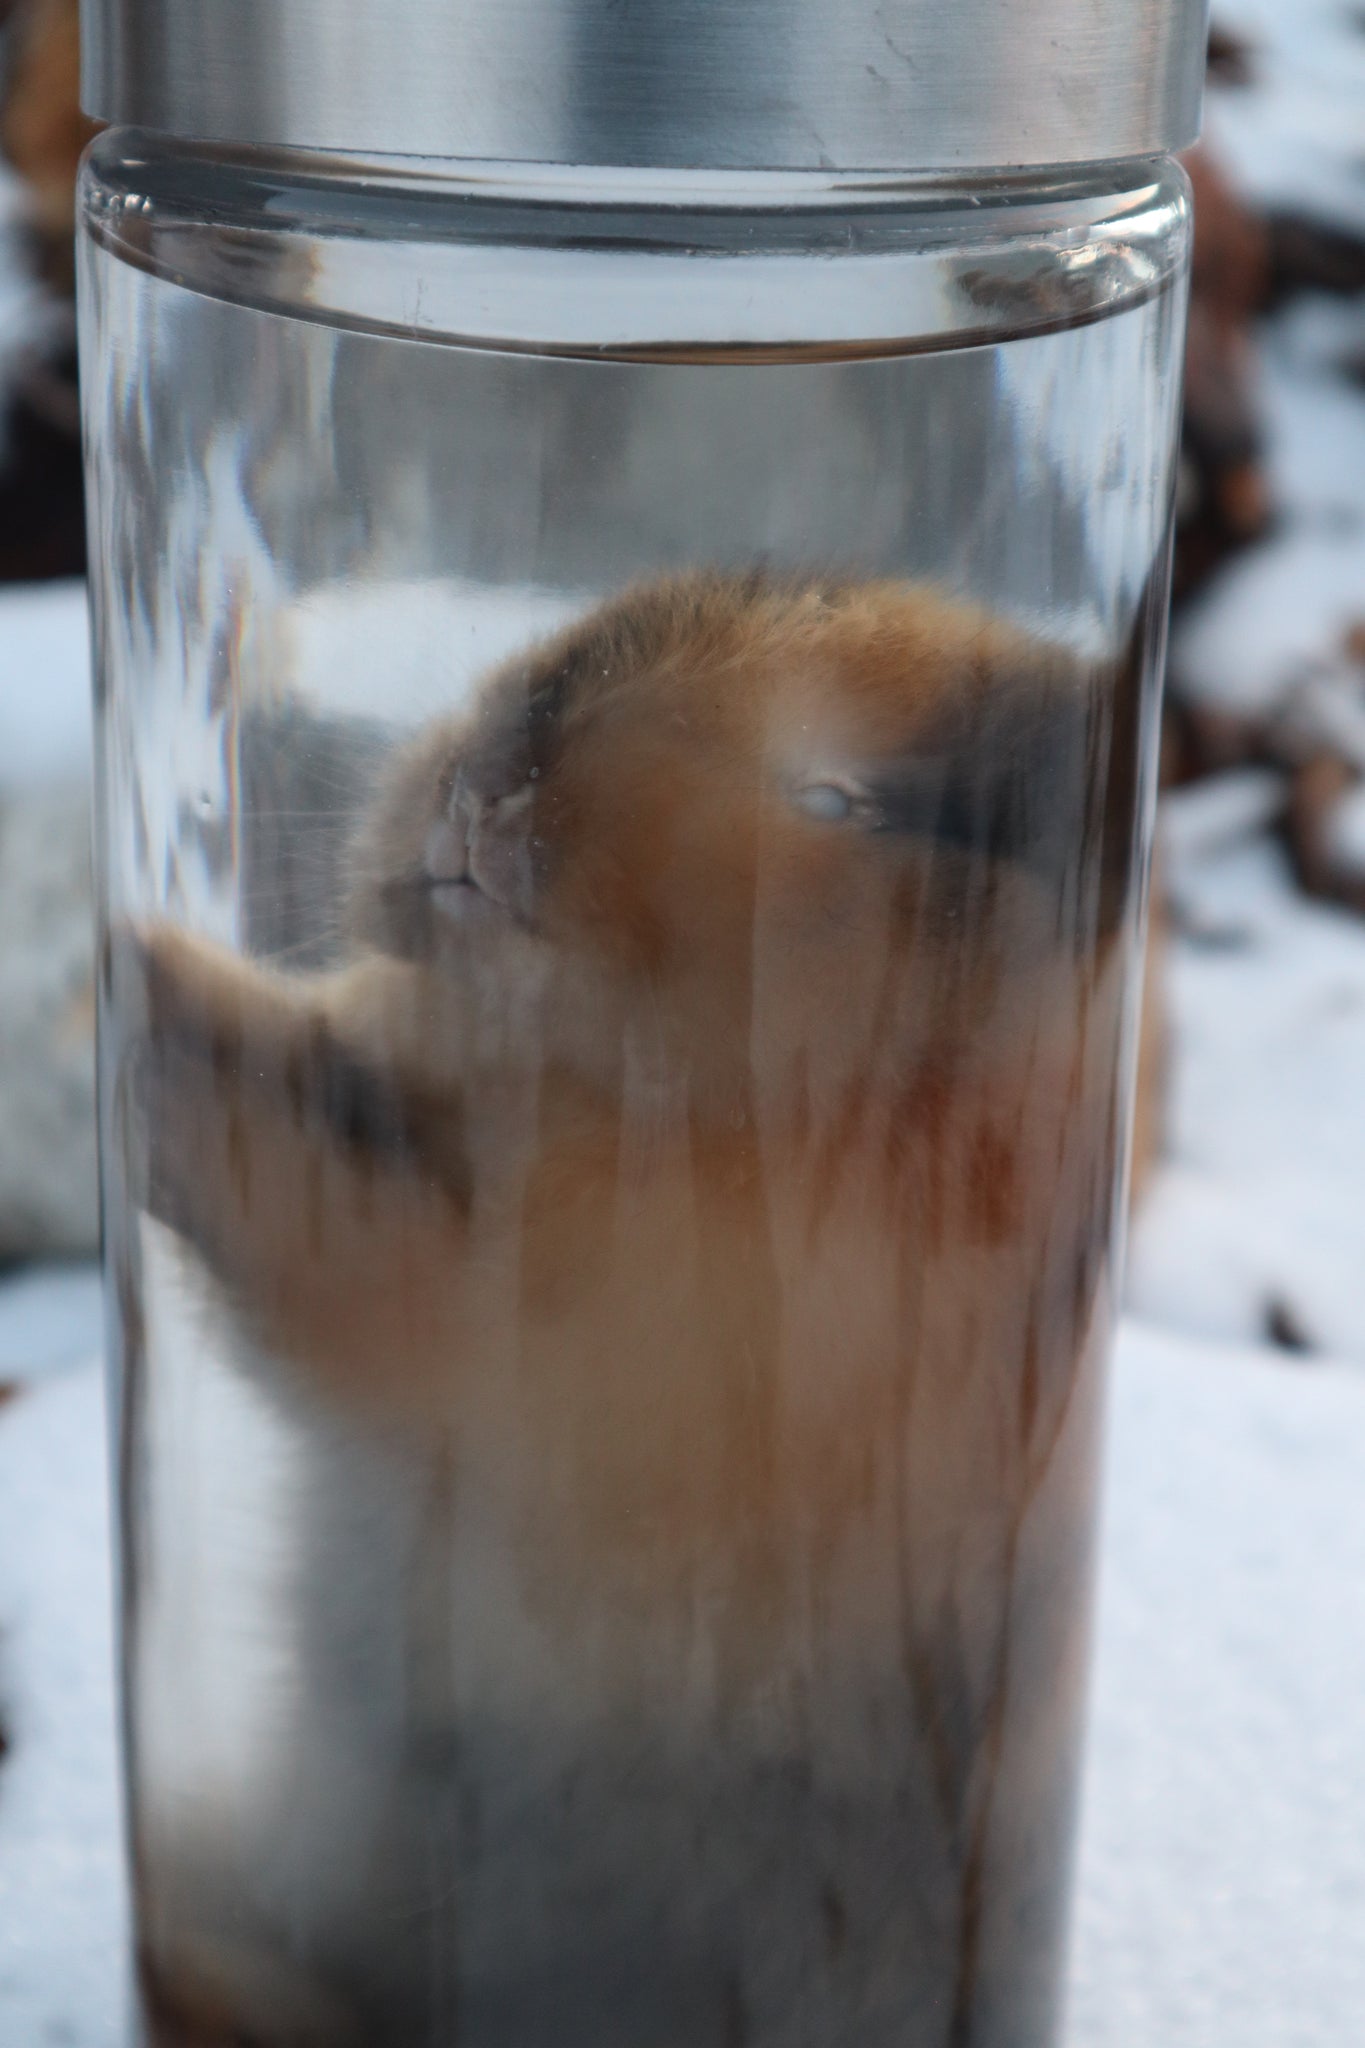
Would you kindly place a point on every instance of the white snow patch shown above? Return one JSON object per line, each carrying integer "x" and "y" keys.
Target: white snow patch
{"x": 1313, "y": 413}
{"x": 51, "y": 1317}
{"x": 1293, "y": 136}
{"x": 1269, "y": 630}
{"x": 438, "y": 635}
{"x": 1222, "y": 1870}
{"x": 1269, "y": 620}
{"x": 1204, "y": 818}
{"x": 1259, "y": 1205}
{"x": 44, "y": 683}
{"x": 63, "y": 1975}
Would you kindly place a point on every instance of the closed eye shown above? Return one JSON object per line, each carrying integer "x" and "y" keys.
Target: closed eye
{"x": 831, "y": 803}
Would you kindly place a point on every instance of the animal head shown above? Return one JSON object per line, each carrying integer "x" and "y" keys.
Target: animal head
{"x": 768, "y": 811}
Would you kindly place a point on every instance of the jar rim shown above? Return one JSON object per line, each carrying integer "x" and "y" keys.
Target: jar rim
{"x": 868, "y": 85}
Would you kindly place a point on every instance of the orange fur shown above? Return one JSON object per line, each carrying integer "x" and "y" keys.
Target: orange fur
{"x": 862, "y": 1049}
{"x": 727, "y": 1186}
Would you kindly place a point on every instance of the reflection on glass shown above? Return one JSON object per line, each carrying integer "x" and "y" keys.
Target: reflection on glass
{"x": 622, "y": 883}
{"x": 696, "y": 1176}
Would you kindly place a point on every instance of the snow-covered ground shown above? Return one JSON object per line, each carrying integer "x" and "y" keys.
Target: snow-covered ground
{"x": 1222, "y": 1871}
{"x": 1292, "y": 136}
{"x": 62, "y": 1910}
{"x": 44, "y": 684}
{"x": 1223, "y": 1867}
{"x": 1256, "y": 1220}
{"x": 1258, "y": 1217}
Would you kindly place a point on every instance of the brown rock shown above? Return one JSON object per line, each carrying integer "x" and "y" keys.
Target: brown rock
{"x": 42, "y": 128}
{"x": 1225, "y": 499}
{"x": 1317, "y": 789}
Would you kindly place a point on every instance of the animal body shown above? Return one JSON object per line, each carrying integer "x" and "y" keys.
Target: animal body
{"x": 700, "y": 1177}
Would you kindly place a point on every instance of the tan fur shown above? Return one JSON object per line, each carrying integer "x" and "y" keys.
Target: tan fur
{"x": 738, "y": 1054}
{"x": 730, "y": 1191}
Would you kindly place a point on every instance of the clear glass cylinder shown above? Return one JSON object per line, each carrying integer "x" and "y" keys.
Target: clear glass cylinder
{"x": 626, "y": 729}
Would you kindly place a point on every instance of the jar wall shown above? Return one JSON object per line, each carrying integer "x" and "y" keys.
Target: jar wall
{"x": 613, "y": 1175}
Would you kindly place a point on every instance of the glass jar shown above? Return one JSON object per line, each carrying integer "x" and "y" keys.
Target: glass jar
{"x": 626, "y": 731}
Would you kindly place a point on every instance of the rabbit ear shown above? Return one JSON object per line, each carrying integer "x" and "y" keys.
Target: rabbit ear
{"x": 1005, "y": 783}
{"x": 1044, "y": 768}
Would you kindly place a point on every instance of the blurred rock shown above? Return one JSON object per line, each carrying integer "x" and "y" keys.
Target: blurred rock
{"x": 1301, "y": 718}
{"x": 1313, "y": 256}
{"x": 1232, "y": 59}
{"x": 1249, "y": 259}
{"x": 42, "y": 128}
{"x": 42, "y": 134}
{"x": 1322, "y": 831}
{"x": 42, "y": 510}
{"x": 48, "y": 1188}
{"x": 1224, "y": 497}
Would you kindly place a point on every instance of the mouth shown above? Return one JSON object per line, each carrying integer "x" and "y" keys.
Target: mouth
{"x": 464, "y": 903}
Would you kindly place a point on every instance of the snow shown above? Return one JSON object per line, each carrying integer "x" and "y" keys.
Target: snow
{"x": 445, "y": 627}
{"x": 1222, "y": 1873}
{"x": 1202, "y": 820}
{"x": 1222, "y": 1867}
{"x": 1256, "y": 1219}
{"x": 1292, "y": 136}
{"x": 1258, "y": 1205}
{"x": 1314, "y": 417}
{"x": 62, "y": 1909}
{"x": 44, "y": 684}
{"x": 1269, "y": 620}
{"x": 50, "y": 1318}
{"x": 1274, "y": 621}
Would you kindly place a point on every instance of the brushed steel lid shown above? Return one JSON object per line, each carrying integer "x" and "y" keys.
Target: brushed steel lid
{"x": 836, "y": 85}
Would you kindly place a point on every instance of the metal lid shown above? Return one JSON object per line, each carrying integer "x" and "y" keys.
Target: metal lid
{"x": 840, "y": 85}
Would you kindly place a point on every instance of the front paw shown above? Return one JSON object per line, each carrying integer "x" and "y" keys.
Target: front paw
{"x": 173, "y": 993}
{"x": 174, "y": 1036}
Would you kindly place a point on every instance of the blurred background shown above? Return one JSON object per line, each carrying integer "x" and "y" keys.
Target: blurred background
{"x": 1249, "y": 1223}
